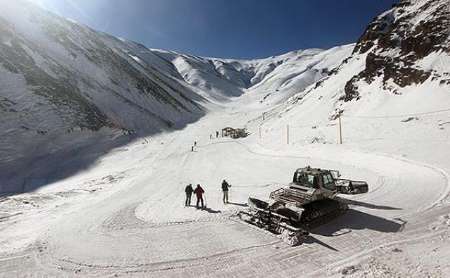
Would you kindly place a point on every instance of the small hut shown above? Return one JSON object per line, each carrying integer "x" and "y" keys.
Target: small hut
{"x": 228, "y": 131}
{"x": 234, "y": 132}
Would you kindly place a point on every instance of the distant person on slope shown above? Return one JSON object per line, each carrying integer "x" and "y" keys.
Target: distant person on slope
{"x": 188, "y": 191}
{"x": 199, "y": 193}
{"x": 225, "y": 187}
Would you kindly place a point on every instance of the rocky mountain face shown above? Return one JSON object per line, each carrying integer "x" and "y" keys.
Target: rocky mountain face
{"x": 398, "y": 40}
{"x": 400, "y": 64}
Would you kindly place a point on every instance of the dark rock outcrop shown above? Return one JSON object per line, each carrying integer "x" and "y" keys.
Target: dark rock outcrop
{"x": 396, "y": 40}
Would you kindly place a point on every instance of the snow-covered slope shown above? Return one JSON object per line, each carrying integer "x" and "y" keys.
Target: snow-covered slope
{"x": 67, "y": 88}
{"x": 62, "y": 81}
{"x": 274, "y": 79}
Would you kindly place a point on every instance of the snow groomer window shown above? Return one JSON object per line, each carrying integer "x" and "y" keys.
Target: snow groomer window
{"x": 328, "y": 182}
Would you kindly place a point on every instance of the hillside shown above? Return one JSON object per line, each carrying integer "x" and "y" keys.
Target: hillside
{"x": 273, "y": 79}
{"x": 396, "y": 79}
{"x": 64, "y": 84}
{"x": 68, "y": 90}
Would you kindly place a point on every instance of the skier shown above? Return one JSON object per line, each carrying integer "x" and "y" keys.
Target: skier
{"x": 192, "y": 148}
{"x": 188, "y": 191}
{"x": 195, "y": 143}
{"x": 199, "y": 193}
{"x": 217, "y": 134}
{"x": 225, "y": 187}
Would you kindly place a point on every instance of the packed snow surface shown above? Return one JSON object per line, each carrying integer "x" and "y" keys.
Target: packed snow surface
{"x": 126, "y": 216}
{"x": 123, "y": 214}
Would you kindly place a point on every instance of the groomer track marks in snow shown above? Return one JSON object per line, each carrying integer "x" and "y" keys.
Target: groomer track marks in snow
{"x": 154, "y": 224}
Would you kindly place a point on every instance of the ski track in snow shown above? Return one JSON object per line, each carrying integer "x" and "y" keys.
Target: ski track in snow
{"x": 143, "y": 229}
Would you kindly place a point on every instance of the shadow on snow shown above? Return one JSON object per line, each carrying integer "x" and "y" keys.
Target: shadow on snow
{"x": 371, "y": 206}
{"x": 357, "y": 220}
{"x": 60, "y": 158}
{"x": 353, "y": 220}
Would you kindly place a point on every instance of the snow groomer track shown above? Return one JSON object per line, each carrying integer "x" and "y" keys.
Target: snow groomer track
{"x": 143, "y": 228}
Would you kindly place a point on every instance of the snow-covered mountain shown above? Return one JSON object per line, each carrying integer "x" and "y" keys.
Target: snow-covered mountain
{"x": 399, "y": 66}
{"x": 66, "y": 88}
{"x": 61, "y": 82}
{"x": 275, "y": 78}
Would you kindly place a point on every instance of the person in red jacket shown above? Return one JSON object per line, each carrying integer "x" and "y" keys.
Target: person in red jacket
{"x": 199, "y": 193}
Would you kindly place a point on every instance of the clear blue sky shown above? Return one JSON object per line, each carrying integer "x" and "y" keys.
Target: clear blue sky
{"x": 227, "y": 28}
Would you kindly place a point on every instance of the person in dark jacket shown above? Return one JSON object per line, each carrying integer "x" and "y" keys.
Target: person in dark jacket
{"x": 188, "y": 191}
{"x": 199, "y": 193}
{"x": 225, "y": 187}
